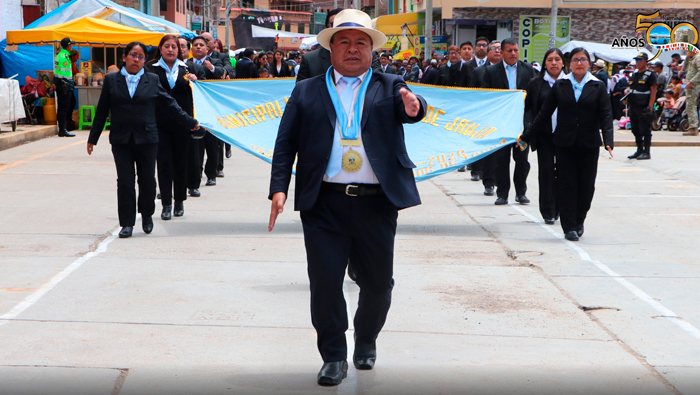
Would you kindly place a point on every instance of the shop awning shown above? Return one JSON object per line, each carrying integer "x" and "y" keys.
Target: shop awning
{"x": 85, "y": 30}
{"x": 259, "y": 31}
{"x": 391, "y": 24}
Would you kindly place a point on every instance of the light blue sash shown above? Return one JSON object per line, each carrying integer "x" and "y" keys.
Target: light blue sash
{"x": 349, "y": 128}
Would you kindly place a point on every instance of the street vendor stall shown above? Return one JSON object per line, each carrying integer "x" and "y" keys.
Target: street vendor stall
{"x": 90, "y": 32}
{"x": 11, "y": 106}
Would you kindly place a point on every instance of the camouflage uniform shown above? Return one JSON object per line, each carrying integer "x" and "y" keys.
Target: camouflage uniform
{"x": 692, "y": 68}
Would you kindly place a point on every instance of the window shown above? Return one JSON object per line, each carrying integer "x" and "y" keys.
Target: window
{"x": 288, "y": 27}
{"x": 301, "y": 28}
{"x": 163, "y": 5}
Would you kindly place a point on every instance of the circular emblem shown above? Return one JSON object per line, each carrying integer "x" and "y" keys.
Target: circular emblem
{"x": 352, "y": 161}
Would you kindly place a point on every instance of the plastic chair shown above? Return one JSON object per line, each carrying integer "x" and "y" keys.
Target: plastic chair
{"x": 83, "y": 118}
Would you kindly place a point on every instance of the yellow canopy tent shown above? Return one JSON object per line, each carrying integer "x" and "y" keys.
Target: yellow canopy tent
{"x": 90, "y": 31}
{"x": 392, "y": 27}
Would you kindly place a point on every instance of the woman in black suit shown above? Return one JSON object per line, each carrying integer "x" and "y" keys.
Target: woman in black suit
{"x": 132, "y": 95}
{"x": 537, "y": 91}
{"x": 173, "y": 138}
{"x": 280, "y": 68}
{"x": 583, "y": 109}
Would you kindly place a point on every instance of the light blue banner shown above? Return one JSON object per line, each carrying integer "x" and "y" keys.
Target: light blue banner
{"x": 461, "y": 126}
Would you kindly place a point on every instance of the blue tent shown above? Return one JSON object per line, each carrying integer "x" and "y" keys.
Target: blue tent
{"x": 27, "y": 59}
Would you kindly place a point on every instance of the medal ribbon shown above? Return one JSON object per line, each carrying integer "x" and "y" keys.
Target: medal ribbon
{"x": 349, "y": 125}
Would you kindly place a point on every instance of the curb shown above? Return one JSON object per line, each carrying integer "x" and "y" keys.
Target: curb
{"x": 660, "y": 143}
{"x": 13, "y": 139}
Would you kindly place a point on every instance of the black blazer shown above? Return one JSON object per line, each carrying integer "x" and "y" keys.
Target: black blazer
{"x": 225, "y": 62}
{"x": 533, "y": 104}
{"x": 284, "y": 71}
{"x": 460, "y": 77}
{"x": 443, "y": 75}
{"x": 430, "y": 76}
{"x": 495, "y": 78}
{"x": 245, "y": 68}
{"x": 134, "y": 117}
{"x": 389, "y": 70}
{"x": 182, "y": 93}
{"x": 314, "y": 63}
{"x": 217, "y": 74}
{"x": 382, "y": 134}
{"x": 578, "y": 123}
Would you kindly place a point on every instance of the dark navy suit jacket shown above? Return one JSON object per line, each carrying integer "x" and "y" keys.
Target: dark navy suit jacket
{"x": 307, "y": 130}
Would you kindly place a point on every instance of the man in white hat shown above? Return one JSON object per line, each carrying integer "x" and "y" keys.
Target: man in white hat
{"x": 599, "y": 71}
{"x": 353, "y": 174}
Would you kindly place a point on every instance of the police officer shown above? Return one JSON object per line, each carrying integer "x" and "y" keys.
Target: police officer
{"x": 692, "y": 88}
{"x": 63, "y": 79}
{"x": 641, "y": 104}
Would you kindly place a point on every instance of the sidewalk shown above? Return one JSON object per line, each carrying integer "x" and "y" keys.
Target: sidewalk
{"x": 661, "y": 138}
{"x": 24, "y": 134}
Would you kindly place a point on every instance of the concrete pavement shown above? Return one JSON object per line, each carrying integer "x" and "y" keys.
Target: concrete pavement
{"x": 487, "y": 300}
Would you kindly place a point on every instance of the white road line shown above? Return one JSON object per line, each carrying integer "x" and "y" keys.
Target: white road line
{"x": 663, "y": 310}
{"x": 39, "y": 293}
{"x": 654, "y": 196}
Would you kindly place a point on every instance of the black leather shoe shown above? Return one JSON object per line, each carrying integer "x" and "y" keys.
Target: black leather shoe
{"x": 634, "y": 155}
{"x": 147, "y": 223}
{"x": 549, "y": 221}
{"x": 65, "y": 133}
{"x": 194, "y": 192}
{"x": 364, "y": 357}
{"x": 210, "y": 182}
{"x": 488, "y": 191}
{"x": 126, "y": 232}
{"x": 351, "y": 272}
{"x": 220, "y": 174}
{"x": 228, "y": 154}
{"x": 643, "y": 156}
{"x": 332, "y": 373}
{"x": 571, "y": 235}
{"x": 462, "y": 169}
{"x": 501, "y": 201}
{"x": 522, "y": 199}
{"x": 167, "y": 213}
{"x": 476, "y": 177}
{"x": 179, "y": 209}
{"x": 579, "y": 230}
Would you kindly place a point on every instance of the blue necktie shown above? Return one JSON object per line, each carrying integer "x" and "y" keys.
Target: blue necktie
{"x": 133, "y": 83}
{"x": 337, "y": 152}
{"x": 511, "y": 77}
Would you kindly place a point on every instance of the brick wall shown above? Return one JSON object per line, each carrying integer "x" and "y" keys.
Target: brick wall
{"x": 587, "y": 24}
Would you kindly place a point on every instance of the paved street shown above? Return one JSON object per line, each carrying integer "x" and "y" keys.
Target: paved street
{"x": 488, "y": 300}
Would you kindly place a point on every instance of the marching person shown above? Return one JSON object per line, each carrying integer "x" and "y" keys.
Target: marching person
{"x": 63, "y": 79}
{"x": 353, "y": 175}
{"x": 641, "y": 106}
{"x": 537, "y": 91}
{"x": 173, "y": 138}
{"x": 131, "y": 96}
{"x": 583, "y": 109}
{"x": 511, "y": 73}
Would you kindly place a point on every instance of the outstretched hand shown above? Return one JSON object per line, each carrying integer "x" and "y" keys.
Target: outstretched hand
{"x": 410, "y": 102}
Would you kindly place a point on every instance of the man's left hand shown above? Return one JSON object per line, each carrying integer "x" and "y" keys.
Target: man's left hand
{"x": 410, "y": 102}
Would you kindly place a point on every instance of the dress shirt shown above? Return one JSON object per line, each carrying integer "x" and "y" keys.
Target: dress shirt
{"x": 480, "y": 62}
{"x": 578, "y": 87}
{"x": 201, "y": 62}
{"x": 548, "y": 78}
{"x": 132, "y": 80}
{"x": 514, "y": 82}
{"x": 365, "y": 175}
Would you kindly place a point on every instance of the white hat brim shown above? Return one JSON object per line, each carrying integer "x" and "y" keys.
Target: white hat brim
{"x": 324, "y": 37}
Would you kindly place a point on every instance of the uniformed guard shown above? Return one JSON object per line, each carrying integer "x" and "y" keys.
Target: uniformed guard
{"x": 63, "y": 79}
{"x": 692, "y": 88}
{"x": 641, "y": 105}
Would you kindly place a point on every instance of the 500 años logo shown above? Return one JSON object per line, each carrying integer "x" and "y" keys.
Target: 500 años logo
{"x": 661, "y": 34}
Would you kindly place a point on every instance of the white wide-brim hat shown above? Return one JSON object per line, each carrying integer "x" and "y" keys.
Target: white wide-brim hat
{"x": 600, "y": 63}
{"x": 351, "y": 19}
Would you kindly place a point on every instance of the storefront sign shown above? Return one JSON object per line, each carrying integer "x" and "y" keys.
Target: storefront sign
{"x": 534, "y": 36}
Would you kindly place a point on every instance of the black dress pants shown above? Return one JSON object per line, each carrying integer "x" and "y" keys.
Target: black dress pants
{"x": 641, "y": 129}
{"x": 208, "y": 144}
{"x": 547, "y": 176}
{"x": 501, "y": 159}
{"x": 576, "y": 171}
{"x": 143, "y": 157}
{"x": 63, "y": 107}
{"x": 173, "y": 152}
{"x": 339, "y": 227}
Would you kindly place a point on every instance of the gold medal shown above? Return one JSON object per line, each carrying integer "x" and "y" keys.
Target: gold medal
{"x": 352, "y": 161}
